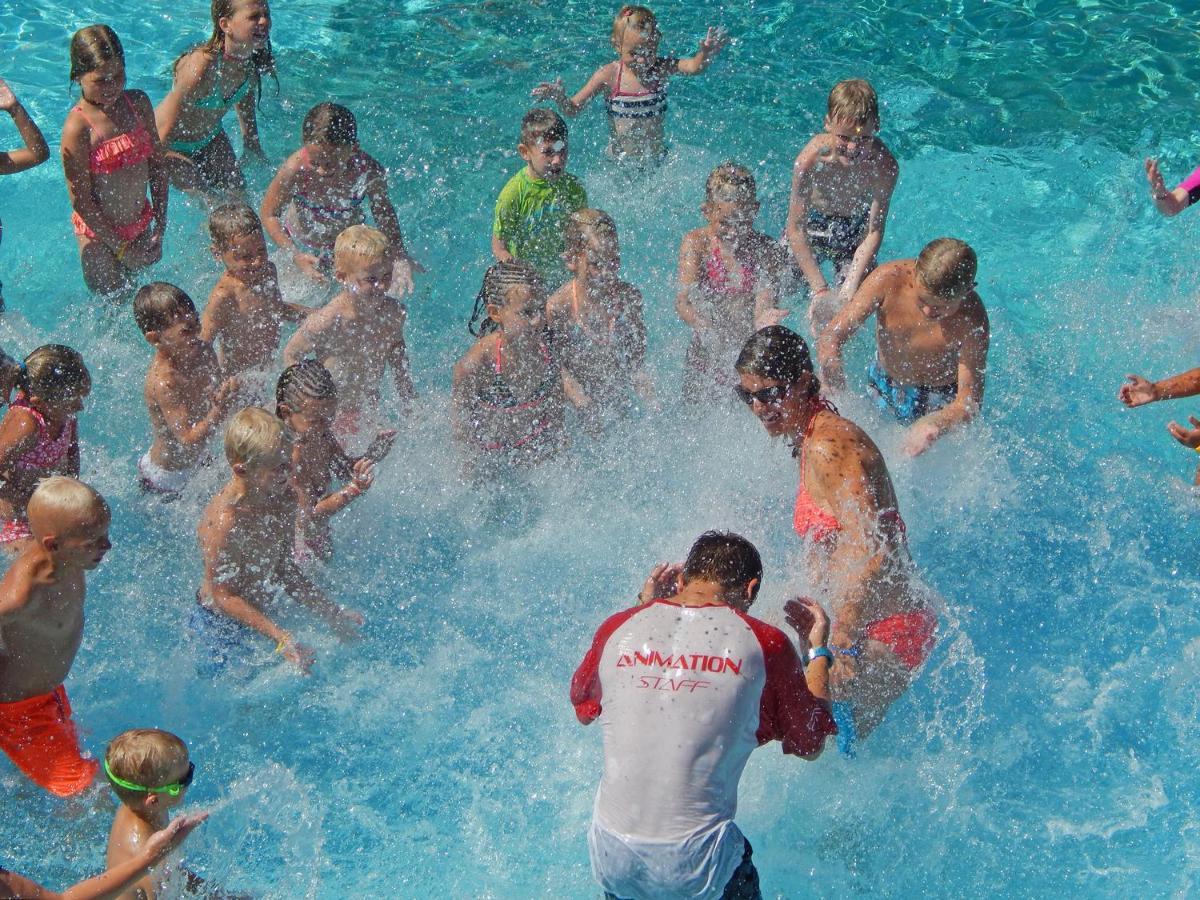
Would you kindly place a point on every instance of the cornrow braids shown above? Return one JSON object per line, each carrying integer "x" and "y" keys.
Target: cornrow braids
{"x": 306, "y": 379}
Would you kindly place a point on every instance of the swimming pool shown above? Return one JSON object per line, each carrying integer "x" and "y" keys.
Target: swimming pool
{"x": 1051, "y": 746}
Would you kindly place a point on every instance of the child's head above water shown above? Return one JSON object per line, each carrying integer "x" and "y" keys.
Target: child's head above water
{"x": 853, "y": 107}
{"x": 730, "y": 198}
{"x": 98, "y": 64}
{"x": 253, "y": 437}
{"x": 512, "y": 296}
{"x": 543, "y": 143}
{"x": 329, "y": 123}
{"x": 148, "y": 767}
{"x": 363, "y": 259}
{"x": 54, "y": 375}
{"x": 591, "y": 237}
{"x": 70, "y": 520}
{"x": 159, "y": 305}
{"x": 305, "y": 396}
{"x": 946, "y": 270}
{"x": 634, "y": 28}
{"x": 245, "y": 23}
{"x": 238, "y": 240}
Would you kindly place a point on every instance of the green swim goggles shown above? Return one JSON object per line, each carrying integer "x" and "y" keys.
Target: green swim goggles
{"x": 173, "y": 790}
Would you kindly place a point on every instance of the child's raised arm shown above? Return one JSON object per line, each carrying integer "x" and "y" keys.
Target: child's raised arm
{"x": 279, "y": 194}
{"x": 35, "y": 152}
{"x": 571, "y": 106}
{"x": 174, "y": 410}
{"x": 398, "y": 360}
{"x": 713, "y": 42}
{"x": 853, "y": 315}
{"x": 185, "y": 89}
{"x": 389, "y": 223}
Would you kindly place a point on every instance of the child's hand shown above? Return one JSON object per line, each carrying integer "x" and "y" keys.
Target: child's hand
{"x": 309, "y": 265}
{"x": 809, "y": 620}
{"x": 298, "y": 655}
{"x": 714, "y": 41}
{"x": 920, "y": 438}
{"x": 1189, "y": 437}
{"x": 362, "y": 475}
{"x": 402, "y": 275}
{"x": 1137, "y": 391}
{"x": 163, "y": 842}
{"x": 550, "y": 90}
{"x": 8, "y": 100}
{"x": 225, "y": 393}
{"x": 662, "y": 582}
{"x": 381, "y": 446}
{"x": 1158, "y": 187}
{"x": 348, "y": 623}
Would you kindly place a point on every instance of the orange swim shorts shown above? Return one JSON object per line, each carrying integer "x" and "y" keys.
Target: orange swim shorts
{"x": 40, "y": 738}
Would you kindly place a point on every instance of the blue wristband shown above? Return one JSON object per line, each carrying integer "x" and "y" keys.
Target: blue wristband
{"x": 814, "y": 652}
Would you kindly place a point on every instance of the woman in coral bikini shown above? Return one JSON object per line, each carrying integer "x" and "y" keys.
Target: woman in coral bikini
{"x": 111, "y": 158}
{"x": 846, "y": 513}
{"x": 728, "y": 282}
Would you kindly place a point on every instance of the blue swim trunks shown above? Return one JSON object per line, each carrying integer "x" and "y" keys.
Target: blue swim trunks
{"x": 907, "y": 402}
{"x": 222, "y": 640}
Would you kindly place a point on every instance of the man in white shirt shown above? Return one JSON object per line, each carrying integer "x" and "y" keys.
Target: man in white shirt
{"x": 685, "y": 686}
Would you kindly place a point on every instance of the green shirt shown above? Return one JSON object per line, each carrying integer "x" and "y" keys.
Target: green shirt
{"x": 531, "y": 219}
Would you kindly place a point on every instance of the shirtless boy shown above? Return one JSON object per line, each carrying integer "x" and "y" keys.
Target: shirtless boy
{"x": 150, "y": 772}
{"x": 932, "y": 333}
{"x": 247, "y": 535}
{"x": 41, "y": 627}
{"x": 245, "y": 312}
{"x": 185, "y": 397}
{"x": 842, "y": 184}
{"x": 360, "y": 331}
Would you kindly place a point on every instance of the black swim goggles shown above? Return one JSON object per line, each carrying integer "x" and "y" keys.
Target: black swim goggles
{"x": 767, "y": 396}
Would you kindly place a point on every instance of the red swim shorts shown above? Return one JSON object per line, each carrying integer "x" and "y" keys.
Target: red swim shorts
{"x": 40, "y": 738}
{"x": 910, "y": 635}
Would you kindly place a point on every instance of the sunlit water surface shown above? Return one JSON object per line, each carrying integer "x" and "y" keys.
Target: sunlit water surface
{"x": 1049, "y": 748}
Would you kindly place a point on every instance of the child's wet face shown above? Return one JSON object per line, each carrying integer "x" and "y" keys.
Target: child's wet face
{"x": 547, "y": 157}
{"x": 312, "y": 413}
{"x": 249, "y": 24}
{"x": 270, "y": 474}
{"x": 602, "y": 255}
{"x": 367, "y": 277}
{"x": 849, "y": 138}
{"x": 103, "y": 85}
{"x": 940, "y": 306}
{"x": 182, "y": 334}
{"x": 329, "y": 158}
{"x": 731, "y": 218}
{"x": 85, "y": 544}
{"x": 639, "y": 41}
{"x": 524, "y": 310}
{"x": 245, "y": 255}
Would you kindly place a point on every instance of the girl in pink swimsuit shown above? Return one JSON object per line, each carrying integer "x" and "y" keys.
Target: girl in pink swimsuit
{"x": 111, "y": 158}
{"x": 38, "y": 434}
{"x": 883, "y": 623}
{"x": 728, "y": 282}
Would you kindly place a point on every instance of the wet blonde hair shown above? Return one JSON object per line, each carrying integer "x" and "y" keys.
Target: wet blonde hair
{"x": 53, "y": 372}
{"x": 143, "y": 756}
{"x": 730, "y": 182}
{"x": 854, "y": 101}
{"x": 66, "y": 496}
{"x": 630, "y": 14}
{"x": 947, "y": 266}
{"x": 362, "y": 242}
{"x": 586, "y": 222}
{"x": 253, "y": 435}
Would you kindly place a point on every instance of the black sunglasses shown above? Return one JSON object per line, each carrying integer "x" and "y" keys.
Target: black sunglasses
{"x": 766, "y": 396}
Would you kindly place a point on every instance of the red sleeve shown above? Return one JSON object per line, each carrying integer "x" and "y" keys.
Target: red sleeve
{"x": 788, "y": 712}
{"x": 585, "y": 684}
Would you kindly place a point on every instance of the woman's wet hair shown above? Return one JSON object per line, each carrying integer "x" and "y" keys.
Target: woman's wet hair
{"x": 262, "y": 60}
{"x": 777, "y": 353}
{"x": 499, "y": 277}
{"x": 157, "y": 304}
{"x": 307, "y": 379}
{"x": 92, "y": 47}
{"x": 724, "y": 557}
{"x": 53, "y": 372}
{"x": 329, "y": 123}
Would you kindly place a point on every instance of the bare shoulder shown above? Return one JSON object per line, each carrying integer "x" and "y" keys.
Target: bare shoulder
{"x": 192, "y": 67}
{"x": 811, "y": 152}
{"x": 886, "y": 166}
{"x": 216, "y": 522}
{"x": 474, "y": 359}
{"x": 972, "y": 315}
{"x": 695, "y": 240}
{"x": 839, "y": 447}
{"x": 141, "y": 103}
{"x": 559, "y": 302}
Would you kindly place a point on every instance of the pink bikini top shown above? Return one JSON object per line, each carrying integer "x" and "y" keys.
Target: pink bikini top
{"x": 48, "y": 452}
{"x": 123, "y": 150}
{"x": 718, "y": 276}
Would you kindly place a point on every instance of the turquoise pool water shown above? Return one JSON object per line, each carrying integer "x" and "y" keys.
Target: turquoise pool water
{"x": 1051, "y": 746}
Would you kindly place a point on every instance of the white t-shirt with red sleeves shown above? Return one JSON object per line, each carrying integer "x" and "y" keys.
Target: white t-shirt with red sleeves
{"x": 683, "y": 695}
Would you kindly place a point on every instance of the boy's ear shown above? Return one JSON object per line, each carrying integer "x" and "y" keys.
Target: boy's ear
{"x": 239, "y": 469}
{"x": 152, "y": 337}
{"x": 523, "y": 151}
{"x": 49, "y": 543}
{"x": 216, "y": 251}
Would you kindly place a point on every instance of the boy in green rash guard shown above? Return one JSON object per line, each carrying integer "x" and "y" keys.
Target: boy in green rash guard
{"x": 532, "y": 209}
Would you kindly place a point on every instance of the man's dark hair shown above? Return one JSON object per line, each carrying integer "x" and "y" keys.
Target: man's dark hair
{"x": 724, "y": 557}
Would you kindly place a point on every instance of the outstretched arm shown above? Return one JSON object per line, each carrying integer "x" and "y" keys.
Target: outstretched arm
{"x": 866, "y": 301}
{"x": 571, "y": 106}
{"x": 1138, "y": 391}
{"x": 1170, "y": 203}
{"x": 35, "y": 152}
{"x": 797, "y": 221}
{"x": 972, "y": 363}
{"x": 715, "y": 40}
{"x": 865, "y": 253}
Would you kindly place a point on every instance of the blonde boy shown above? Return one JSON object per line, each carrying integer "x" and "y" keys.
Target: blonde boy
{"x": 533, "y": 207}
{"x": 932, "y": 338}
{"x": 247, "y": 535}
{"x": 359, "y": 332}
{"x": 149, "y": 771}
{"x": 41, "y": 627}
{"x": 245, "y": 311}
{"x": 842, "y": 185}
{"x": 185, "y": 397}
